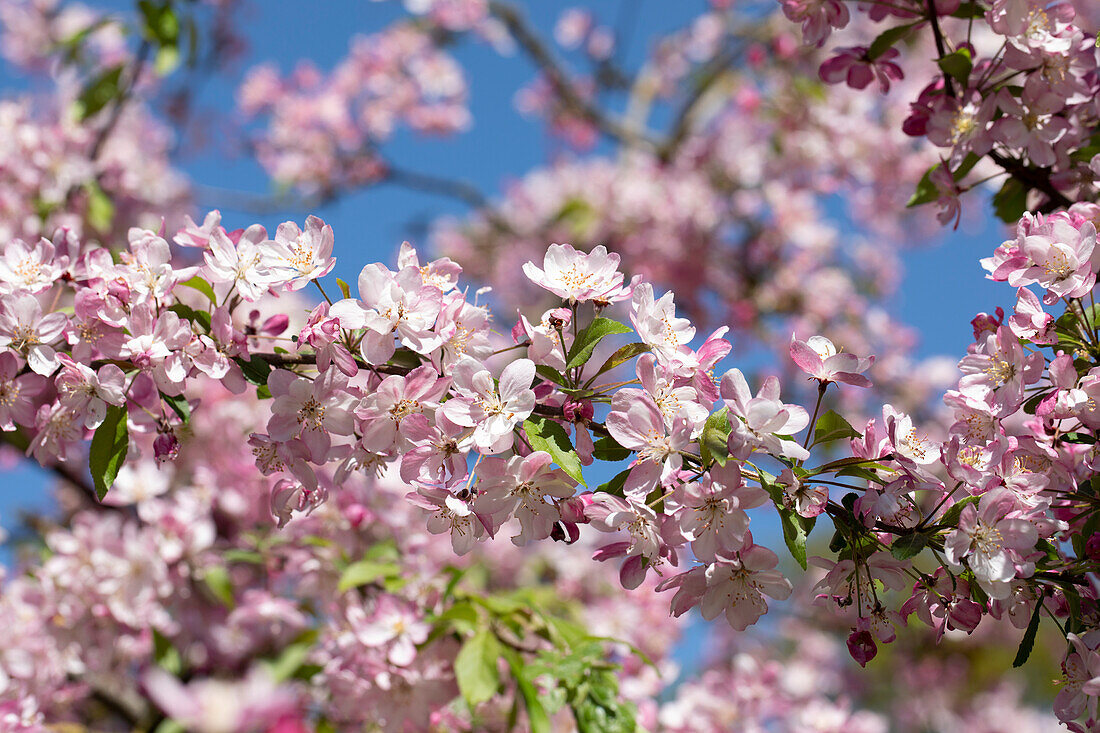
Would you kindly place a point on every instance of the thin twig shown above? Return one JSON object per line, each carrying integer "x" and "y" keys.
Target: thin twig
{"x": 540, "y": 53}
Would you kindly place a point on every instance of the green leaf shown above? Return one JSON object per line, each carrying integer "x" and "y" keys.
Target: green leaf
{"x": 623, "y": 355}
{"x": 1028, "y": 641}
{"x": 958, "y": 66}
{"x": 108, "y": 450}
{"x": 970, "y": 9}
{"x": 1010, "y": 202}
{"x": 203, "y": 287}
{"x": 179, "y": 405}
{"x": 239, "y": 555}
{"x": 597, "y": 331}
{"x": 714, "y": 440}
{"x": 607, "y": 449}
{"x": 831, "y": 426}
{"x": 166, "y": 655}
{"x": 926, "y": 190}
{"x": 344, "y": 289}
{"x": 189, "y": 314}
{"x": 909, "y": 545}
{"x": 166, "y": 61}
{"x": 255, "y": 370}
{"x": 615, "y": 485}
{"x": 160, "y": 22}
{"x": 537, "y": 718}
{"x": 217, "y": 580}
{"x": 461, "y": 617}
{"x": 546, "y": 435}
{"x": 290, "y": 661}
{"x": 886, "y": 40}
{"x": 951, "y": 516}
{"x": 796, "y": 528}
{"x": 364, "y": 572}
{"x": 101, "y": 210}
{"x": 98, "y": 93}
{"x": 1033, "y": 402}
{"x": 842, "y": 463}
{"x": 550, "y": 375}
{"x": 476, "y": 668}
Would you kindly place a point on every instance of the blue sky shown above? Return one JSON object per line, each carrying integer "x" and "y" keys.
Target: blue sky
{"x": 943, "y": 286}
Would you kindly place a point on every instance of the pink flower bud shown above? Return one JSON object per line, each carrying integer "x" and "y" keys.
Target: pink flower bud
{"x": 166, "y": 447}
{"x": 862, "y": 647}
{"x": 572, "y": 509}
{"x": 276, "y": 324}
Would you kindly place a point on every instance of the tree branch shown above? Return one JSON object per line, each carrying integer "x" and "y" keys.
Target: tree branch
{"x": 613, "y": 127}
{"x": 711, "y": 73}
{"x": 1036, "y": 178}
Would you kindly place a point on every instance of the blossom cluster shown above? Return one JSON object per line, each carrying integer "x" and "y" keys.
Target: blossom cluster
{"x": 405, "y": 378}
{"x": 324, "y": 129}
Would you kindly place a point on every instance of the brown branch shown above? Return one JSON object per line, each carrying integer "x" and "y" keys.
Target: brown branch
{"x": 544, "y": 59}
{"x": 1036, "y": 178}
{"x": 710, "y": 74}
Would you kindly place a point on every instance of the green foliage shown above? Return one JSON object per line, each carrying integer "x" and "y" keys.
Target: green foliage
{"x": 714, "y": 441}
{"x": 203, "y": 287}
{"x": 291, "y": 662}
{"x": 607, "y": 449}
{"x": 951, "y": 516}
{"x": 98, "y": 93}
{"x": 216, "y": 578}
{"x": 621, "y": 356}
{"x": 831, "y": 426}
{"x": 796, "y": 528}
{"x": 187, "y": 313}
{"x": 909, "y": 545}
{"x": 958, "y": 66}
{"x": 1010, "y": 202}
{"x": 926, "y": 190}
{"x": 1028, "y": 642}
{"x": 108, "y": 450}
{"x": 547, "y": 435}
{"x": 255, "y": 370}
{"x": 590, "y": 337}
{"x": 366, "y": 571}
{"x": 101, "y": 210}
{"x": 476, "y": 667}
{"x": 886, "y": 40}
{"x": 587, "y": 684}
{"x": 179, "y": 405}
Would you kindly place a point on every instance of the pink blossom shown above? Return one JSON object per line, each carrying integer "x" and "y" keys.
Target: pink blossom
{"x": 391, "y": 305}
{"x": 298, "y": 256}
{"x": 25, "y": 330}
{"x": 759, "y": 422}
{"x": 579, "y": 277}
{"x": 820, "y": 359}
{"x": 737, "y": 586}
{"x": 991, "y": 543}
{"x": 492, "y": 411}
{"x": 524, "y": 486}
{"x": 855, "y": 66}
{"x": 312, "y": 410}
